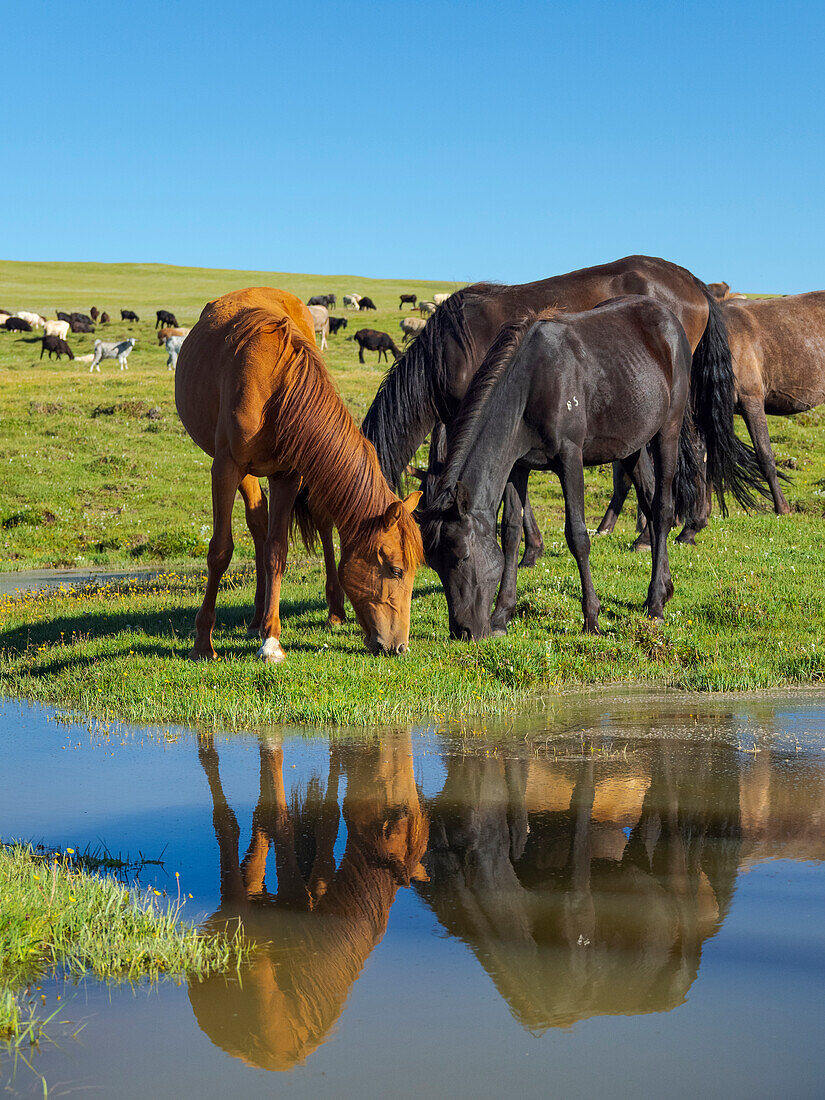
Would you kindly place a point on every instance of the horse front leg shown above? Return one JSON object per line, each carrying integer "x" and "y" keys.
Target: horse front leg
{"x": 334, "y": 591}
{"x": 282, "y": 493}
{"x": 226, "y": 477}
{"x": 511, "y": 525}
{"x": 571, "y": 475}
{"x": 533, "y": 542}
{"x": 257, "y": 520}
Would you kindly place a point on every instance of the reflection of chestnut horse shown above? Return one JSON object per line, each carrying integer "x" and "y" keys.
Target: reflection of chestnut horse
{"x": 603, "y": 904}
{"x": 253, "y": 392}
{"x": 317, "y": 928}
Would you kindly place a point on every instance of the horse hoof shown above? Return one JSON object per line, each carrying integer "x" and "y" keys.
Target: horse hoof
{"x": 271, "y": 652}
{"x": 592, "y": 628}
{"x": 530, "y": 556}
{"x": 641, "y": 544}
{"x": 334, "y": 621}
{"x": 200, "y": 655}
{"x": 686, "y": 540}
{"x": 498, "y": 632}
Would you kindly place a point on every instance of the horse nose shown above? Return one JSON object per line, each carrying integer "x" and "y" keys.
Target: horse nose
{"x": 401, "y": 648}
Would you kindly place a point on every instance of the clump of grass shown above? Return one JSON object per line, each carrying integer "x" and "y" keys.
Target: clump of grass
{"x": 57, "y": 916}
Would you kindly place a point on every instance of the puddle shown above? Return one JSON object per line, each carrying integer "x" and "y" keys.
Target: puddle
{"x": 623, "y": 895}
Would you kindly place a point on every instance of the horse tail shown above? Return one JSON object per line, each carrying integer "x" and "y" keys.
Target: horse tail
{"x": 732, "y": 465}
{"x": 302, "y": 524}
{"x": 687, "y": 479}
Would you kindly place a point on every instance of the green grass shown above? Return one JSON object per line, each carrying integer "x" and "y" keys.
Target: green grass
{"x": 96, "y": 470}
{"x": 57, "y": 916}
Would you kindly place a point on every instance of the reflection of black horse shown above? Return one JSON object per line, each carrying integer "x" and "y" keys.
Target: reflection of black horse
{"x": 317, "y": 927}
{"x": 603, "y": 905}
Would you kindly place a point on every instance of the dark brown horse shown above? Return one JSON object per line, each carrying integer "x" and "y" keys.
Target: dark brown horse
{"x": 778, "y": 352}
{"x": 426, "y": 384}
{"x": 254, "y": 393}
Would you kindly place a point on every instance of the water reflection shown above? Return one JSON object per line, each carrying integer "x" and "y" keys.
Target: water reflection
{"x": 585, "y": 878}
{"x": 318, "y": 925}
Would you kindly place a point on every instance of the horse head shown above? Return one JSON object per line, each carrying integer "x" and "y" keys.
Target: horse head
{"x": 461, "y": 546}
{"x": 377, "y": 570}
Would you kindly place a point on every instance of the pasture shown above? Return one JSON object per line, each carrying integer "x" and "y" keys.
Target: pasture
{"x": 98, "y": 472}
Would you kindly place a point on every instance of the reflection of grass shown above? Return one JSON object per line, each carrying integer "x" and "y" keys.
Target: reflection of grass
{"x": 57, "y": 915}
{"x": 746, "y": 615}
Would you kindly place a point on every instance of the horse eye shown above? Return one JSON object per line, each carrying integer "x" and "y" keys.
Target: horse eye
{"x": 396, "y": 572}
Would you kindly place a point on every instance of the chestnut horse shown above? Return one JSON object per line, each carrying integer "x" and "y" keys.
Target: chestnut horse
{"x": 778, "y": 351}
{"x": 253, "y": 392}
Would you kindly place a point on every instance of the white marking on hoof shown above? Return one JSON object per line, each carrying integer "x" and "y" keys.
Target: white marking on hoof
{"x": 271, "y": 651}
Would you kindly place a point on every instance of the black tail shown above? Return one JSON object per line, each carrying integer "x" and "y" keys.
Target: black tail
{"x": 732, "y": 465}
{"x": 687, "y": 481}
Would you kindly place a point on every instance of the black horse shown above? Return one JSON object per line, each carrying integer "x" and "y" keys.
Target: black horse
{"x": 559, "y": 393}
{"x": 428, "y": 381}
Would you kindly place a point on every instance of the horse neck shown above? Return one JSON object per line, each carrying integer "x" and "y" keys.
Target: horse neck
{"x": 492, "y": 453}
{"x": 343, "y": 476}
{"x": 401, "y": 414}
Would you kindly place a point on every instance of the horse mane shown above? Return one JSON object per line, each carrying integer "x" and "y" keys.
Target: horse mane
{"x": 471, "y": 416}
{"x": 410, "y": 395}
{"x": 315, "y": 432}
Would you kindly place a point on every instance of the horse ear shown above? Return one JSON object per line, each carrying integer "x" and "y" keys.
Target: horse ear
{"x": 393, "y": 515}
{"x": 462, "y": 498}
{"x": 416, "y": 471}
{"x": 410, "y": 503}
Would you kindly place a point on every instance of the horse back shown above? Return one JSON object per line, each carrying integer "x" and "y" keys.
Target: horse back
{"x": 222, "y": 385}
{"x": 778, "y": 350}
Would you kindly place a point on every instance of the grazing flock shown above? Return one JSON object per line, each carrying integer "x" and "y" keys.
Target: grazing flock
{"x": 628, "y": 362}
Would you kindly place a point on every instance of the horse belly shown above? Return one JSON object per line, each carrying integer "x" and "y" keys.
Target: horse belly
{"x": 619, "y": 429}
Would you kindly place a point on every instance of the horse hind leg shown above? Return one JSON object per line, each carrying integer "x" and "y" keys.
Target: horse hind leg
{"x": 226, "y": 477}
{"x": 258, "y": 523}
{"x": 621, "y": 487}
{"x": 753, "y": 413}
{"x": 282, "y": 493}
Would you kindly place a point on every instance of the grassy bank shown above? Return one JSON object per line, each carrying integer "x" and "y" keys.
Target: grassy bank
{"x": 57, "y": 916}
{"x": 97, "y": 471}
{"x": 747, "y": 614}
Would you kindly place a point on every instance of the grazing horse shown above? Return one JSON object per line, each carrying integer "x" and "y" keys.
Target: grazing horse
{"x": 164, "y": 317}
{"x": 778, "y": 351}
{"x": 563, "y": 392}
{"x": 407, "y": 300}
{"x": 315, "y": 920}
{"x": 253, "y": 392}
{"x": 426, "y": 384}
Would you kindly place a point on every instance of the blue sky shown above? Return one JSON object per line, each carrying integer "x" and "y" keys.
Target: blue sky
{"x": 437, "y": 140}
